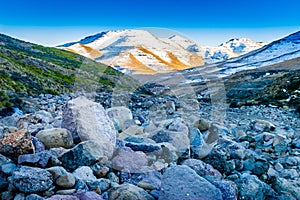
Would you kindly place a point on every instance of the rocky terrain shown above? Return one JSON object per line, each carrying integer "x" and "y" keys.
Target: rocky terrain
{"x": 98, "y": 147}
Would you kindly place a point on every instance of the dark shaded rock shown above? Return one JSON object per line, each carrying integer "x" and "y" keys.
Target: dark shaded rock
{"x": 31, "y": 180}
{"x": 250, "y": 187}
{"x": 84, "y": 154}
{"x": 3, "y": 181}
{"x": 144, "y": 147}
{"x": 228, "y": 189}
{"x": 204, "y": 170}
{"x": 217, "y": 160}
{"x": 128, "y": 191}
{"x": 38, "y": 145}
{"x": 181, "y": 182}
{"x": 40, "y": 159}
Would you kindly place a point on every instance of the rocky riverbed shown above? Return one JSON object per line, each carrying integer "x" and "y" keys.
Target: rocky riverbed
{"x": 144, "y": 145}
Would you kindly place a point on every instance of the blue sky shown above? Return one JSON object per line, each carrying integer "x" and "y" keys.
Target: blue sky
{"x": 205, "y": 21}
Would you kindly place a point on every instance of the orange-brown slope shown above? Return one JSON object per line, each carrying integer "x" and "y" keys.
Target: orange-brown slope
{"x": 138, "y": 66}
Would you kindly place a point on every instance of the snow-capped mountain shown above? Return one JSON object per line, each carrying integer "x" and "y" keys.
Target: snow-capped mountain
{"x": 277, "y": 53}
{"x": 230, "y": 49}
{"x": 135, "y": 50}
{"x": 139, "y": 51}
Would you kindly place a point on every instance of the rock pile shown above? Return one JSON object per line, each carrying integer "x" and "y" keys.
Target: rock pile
{"x": 69, "y": 147}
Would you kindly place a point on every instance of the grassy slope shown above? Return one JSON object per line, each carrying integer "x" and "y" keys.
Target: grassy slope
{"x": 33, "y": 69}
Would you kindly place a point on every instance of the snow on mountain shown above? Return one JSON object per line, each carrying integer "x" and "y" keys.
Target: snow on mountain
{"x": 230, "y": 49}
{"x": 135, "y": 50}
{"x": 139, "y": 51}
{"x": 278, "y": 51}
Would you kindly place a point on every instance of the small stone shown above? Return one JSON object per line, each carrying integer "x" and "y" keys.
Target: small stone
{"x": 128, "y": 191}
{"x": 100, "y": 170}
{"x": 202, "y": 124}
{"x": 113, "y": 177}
{"x": 84, "y": 173}
{"x": 55, "y": 137}
{"x": 66, "y": 192}
{"x": 62, "y": 197}
{"x": 34, "y": 197}
{"x": 65, "y": 181}
{"x": 263, "y": 126}
{"x": 19, "y": 197}
{"x": 88, "y": 195}
{"x": 146, "y": 186}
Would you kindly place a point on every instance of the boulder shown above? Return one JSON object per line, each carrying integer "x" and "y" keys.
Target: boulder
{"x": 55, "y": 137}
{"x": 16, "y": 144}
{"x": 181, "y": 182}
{"x": 119, "y": 115}
{"x": 128, "y": 191}
{"x": 87, "y": 120}
{"x": 31, "y": 179}
{"x": 84, "y": 154}
{"x": 127, "y": 159}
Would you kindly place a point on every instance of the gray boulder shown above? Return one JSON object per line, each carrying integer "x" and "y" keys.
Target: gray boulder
{"x": 87, "y": 120}
{"x": 181, "y": 182}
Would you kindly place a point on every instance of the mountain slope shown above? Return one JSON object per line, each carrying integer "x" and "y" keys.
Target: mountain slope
{"x": 33, "y": 69}
{"x": 270, "y": 76}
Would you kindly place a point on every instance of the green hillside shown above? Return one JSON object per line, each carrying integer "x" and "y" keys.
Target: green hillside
{"x": 31, "y": 69}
